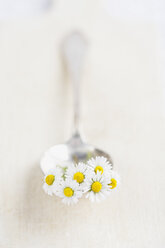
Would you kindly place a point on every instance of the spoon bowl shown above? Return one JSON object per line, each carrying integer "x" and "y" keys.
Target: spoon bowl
{"x": 73, "y": 151}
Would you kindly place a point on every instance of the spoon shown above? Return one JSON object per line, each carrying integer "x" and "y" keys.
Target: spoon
{"x": 75, "y": 150}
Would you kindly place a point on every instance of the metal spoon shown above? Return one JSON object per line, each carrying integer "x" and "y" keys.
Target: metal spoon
{"x": 74, "y": 49}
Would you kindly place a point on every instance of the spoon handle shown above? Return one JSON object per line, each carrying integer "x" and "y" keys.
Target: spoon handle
{"x": 74, "y": 50}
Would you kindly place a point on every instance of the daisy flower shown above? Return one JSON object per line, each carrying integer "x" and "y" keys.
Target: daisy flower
{"x": 51, "y": 181}
{"x": 100, "y": 164}
{"x": 78, "y": 173}
{"x": 97, "y": 187}
{"x": 70, "y": 191}
{"x": 114, "y": 180}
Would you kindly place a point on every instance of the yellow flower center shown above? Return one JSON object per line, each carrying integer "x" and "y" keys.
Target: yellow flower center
{"x": 68, "y": 192}
{"x": 96, "y": 187}
{"x": 79, "y": 177}
{"x": 99, "y": 168}
{"x": 113, "y": 183}
{"x": 50, "y": 179}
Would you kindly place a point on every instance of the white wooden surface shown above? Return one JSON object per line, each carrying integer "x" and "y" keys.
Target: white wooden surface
{"x": 123, "y": 113}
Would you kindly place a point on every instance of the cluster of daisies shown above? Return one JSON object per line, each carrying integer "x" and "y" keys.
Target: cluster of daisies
{"x": 95, "y": 179}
